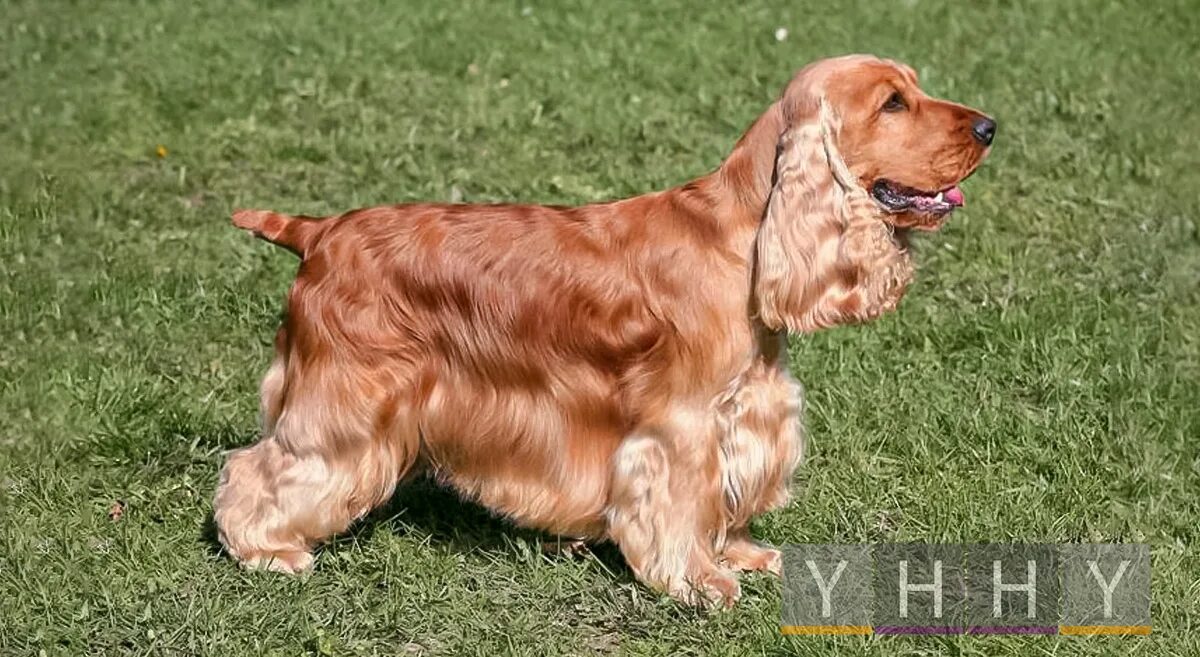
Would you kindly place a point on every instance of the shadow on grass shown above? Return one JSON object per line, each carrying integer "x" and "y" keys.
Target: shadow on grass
{"x": 159, "y": 440}
{"x": 439, "y": 514}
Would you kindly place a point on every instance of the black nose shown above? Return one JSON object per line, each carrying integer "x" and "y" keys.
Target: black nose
{"x": 984, "y": 130}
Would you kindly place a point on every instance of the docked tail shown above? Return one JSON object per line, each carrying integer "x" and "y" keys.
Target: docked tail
{"x": 296, "y": 234}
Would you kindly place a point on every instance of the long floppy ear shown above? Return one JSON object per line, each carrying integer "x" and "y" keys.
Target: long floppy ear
{"x": 823, "y": 254}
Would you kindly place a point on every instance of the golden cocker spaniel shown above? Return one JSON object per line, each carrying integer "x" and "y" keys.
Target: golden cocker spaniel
{"x": 609, "y": 372}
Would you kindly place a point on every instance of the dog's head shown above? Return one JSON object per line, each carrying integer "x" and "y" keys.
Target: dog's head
{"x": 862, "y": 153}
{"x": 908, "y": 150}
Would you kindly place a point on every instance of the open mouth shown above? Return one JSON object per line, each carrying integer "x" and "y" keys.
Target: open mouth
{"x": 898, "y": 198}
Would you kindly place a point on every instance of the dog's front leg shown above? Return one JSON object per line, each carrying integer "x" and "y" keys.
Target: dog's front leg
{"x": 665, "y": 511}
{"x": 761, "y": 446}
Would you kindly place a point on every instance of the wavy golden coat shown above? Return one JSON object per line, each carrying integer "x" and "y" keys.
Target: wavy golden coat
{"x": 614, "y": 371}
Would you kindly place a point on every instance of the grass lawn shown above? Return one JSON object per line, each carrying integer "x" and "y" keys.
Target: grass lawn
{"x": 1039, "y": 382}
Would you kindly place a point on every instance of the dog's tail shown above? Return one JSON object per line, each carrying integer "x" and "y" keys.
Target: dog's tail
{"x": 296, "y": 234}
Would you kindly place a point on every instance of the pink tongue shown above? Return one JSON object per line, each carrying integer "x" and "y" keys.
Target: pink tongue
{"x": 954, "y": 196}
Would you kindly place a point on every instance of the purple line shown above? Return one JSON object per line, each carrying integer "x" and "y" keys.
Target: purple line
{"x": 1015, "y": 629}
{"x": 931, "y": 629}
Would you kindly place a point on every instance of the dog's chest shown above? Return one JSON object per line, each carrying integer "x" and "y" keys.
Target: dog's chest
{"x": 762, "y": 441}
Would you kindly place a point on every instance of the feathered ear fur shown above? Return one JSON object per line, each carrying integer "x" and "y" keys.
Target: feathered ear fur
{"x": 824, "y": 256}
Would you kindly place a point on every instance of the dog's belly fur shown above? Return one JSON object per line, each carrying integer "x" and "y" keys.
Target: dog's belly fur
{"x": 551, "y": 468}
{"x": 523, "y": 454}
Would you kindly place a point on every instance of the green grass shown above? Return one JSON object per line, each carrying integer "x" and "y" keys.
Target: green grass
{"x": 1041, "y": 382}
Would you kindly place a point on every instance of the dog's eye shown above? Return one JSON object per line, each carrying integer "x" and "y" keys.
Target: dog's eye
{"x": 895, "y": 103}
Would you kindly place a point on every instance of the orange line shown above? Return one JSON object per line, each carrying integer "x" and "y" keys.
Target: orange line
{"x": 825, "y": 629}
{"x": 1104, "y": 629}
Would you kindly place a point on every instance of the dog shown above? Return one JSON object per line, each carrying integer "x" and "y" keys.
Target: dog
{"x": 615, "y": 371}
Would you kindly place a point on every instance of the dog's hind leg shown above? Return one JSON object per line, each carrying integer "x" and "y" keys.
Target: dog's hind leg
{"x": 330, "y": 459}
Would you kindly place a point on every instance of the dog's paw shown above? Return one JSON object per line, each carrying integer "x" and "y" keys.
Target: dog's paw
{"x": 716, "y": 589}
{"x": 569, "y": 548}
{"x": 747, "y": 555}
{"x": 291, "y": 563}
